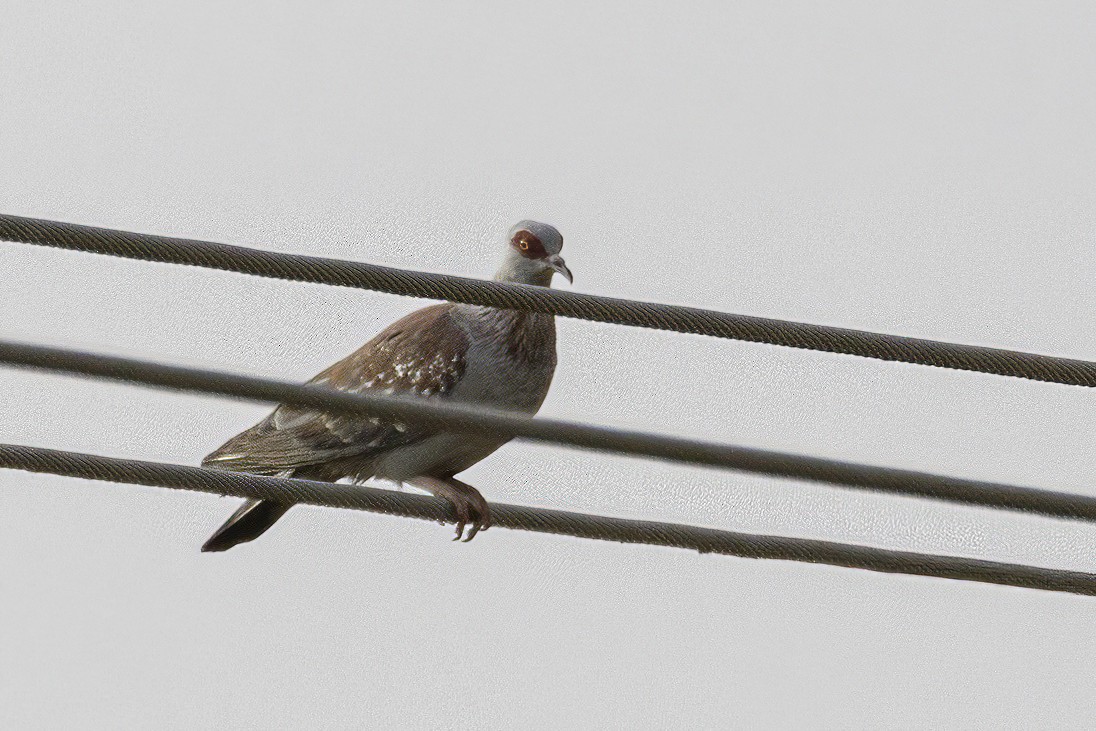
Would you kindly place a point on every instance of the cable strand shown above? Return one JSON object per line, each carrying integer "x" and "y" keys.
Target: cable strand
{"x": 464, "y": 418}
{"x": 516, "y": 517}
{"x": 296, "y": 267}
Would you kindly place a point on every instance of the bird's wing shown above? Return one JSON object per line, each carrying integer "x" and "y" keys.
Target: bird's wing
{"x": 422, "y": 354}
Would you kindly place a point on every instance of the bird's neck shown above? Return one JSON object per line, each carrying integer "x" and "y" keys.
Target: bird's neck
{"x": 523, "y": 336}
{"x": 519, "y": 270}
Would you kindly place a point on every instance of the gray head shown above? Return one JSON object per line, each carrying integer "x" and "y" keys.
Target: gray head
{"x": 532, "y": 255}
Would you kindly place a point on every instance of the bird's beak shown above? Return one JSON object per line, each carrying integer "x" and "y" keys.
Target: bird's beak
{"x": 556, "y": 262}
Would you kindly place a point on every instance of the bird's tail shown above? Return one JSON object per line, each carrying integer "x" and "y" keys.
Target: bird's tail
{"x": 248, "y": 523}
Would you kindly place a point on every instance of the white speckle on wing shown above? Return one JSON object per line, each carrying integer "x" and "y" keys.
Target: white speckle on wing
{"x": 291, "y": 419}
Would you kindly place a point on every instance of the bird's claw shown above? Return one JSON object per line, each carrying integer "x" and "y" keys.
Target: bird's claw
{"x": 472, "y": 512}
{"x": 461, "y": 509}
{"x": 471, "y": 509}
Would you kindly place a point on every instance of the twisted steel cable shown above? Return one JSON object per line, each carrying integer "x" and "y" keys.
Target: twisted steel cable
{"x": 704, "y": 540}
{"x": 458, "y": 417}
{"x": 302, "y": 268}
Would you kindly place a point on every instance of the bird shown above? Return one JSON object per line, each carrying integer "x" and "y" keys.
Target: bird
{"x": 448, "y": 352}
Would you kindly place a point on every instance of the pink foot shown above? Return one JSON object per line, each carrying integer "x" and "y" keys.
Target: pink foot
{"x": 470, "y": 506}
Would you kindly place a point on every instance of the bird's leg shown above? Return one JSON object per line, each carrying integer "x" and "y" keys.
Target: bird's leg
{"x": 466, "y": 500}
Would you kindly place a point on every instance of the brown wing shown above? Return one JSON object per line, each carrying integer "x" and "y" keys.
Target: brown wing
{"x": 422, "y": 354}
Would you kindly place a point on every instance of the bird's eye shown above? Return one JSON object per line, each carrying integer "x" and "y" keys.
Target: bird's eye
{"x": 527, "y": 244}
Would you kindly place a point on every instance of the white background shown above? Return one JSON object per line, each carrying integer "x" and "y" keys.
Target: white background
{"x": 925, "y": 169}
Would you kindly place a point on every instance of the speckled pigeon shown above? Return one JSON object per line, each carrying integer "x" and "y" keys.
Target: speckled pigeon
{"x": 496, "y": 358}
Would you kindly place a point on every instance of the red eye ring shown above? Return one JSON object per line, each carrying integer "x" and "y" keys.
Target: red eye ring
{"x": 528, "y": 245}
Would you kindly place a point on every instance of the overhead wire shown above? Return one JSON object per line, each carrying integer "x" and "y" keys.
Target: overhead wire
{"x": 516, "y": 517}
{"x": 298, "y": 267}
{"x": 457, "y": 417}
{"x": 465, "y": 418}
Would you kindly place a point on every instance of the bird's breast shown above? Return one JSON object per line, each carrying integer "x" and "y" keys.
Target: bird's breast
{"x": 510, "y": 361}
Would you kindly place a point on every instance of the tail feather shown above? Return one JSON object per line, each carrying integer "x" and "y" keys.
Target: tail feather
{"x": 250, "y": 521}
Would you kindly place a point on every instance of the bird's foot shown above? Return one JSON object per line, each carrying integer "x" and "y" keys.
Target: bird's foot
{"x": 470, "y": 506}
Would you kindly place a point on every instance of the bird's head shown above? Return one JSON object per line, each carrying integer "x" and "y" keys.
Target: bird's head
{"x": 532, "y": 255}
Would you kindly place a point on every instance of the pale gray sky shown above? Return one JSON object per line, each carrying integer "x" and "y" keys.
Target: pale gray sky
{"x": 917, "y": 168}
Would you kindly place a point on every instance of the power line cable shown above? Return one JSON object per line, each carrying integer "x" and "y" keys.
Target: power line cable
{"x": 457, "y": 417}
{"x": 296, "y": 267}
{"x": 704, "y": 540}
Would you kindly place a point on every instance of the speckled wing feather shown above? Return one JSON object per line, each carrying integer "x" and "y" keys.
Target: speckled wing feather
{"x": 422, "y": 354}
